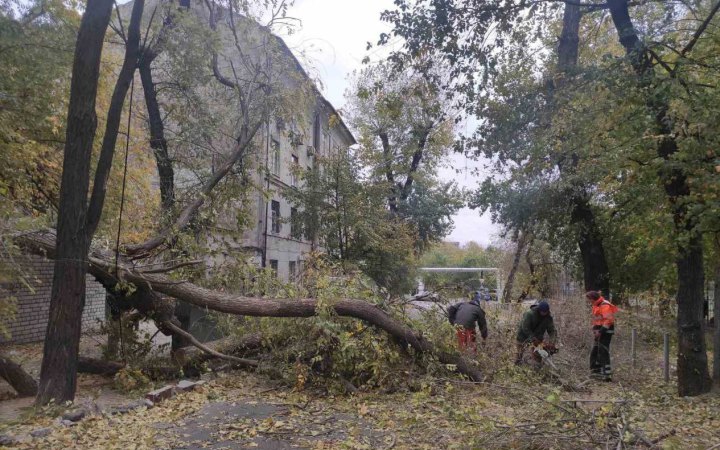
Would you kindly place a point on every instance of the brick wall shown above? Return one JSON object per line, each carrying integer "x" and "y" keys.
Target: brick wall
{"x": 33, "y": 305}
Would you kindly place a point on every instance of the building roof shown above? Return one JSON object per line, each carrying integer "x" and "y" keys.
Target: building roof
{"x": 325, "y": 102}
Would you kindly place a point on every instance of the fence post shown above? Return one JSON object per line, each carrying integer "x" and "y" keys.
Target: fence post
{"x": 666, "y": 353}
{"x": 633, "y": 349}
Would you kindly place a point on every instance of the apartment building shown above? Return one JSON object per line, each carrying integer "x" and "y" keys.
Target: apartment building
{"x": 280, "y": 242}
{"x": 282, "y": 146}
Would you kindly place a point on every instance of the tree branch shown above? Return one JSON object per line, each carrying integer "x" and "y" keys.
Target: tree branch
{"x": 688, "y": 48}
{"x": 242, "y": 361}
{"x": 191, "y": 209}
{"x": 102, "y": 172}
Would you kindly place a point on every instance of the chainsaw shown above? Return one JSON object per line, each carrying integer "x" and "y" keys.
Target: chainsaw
{"x": 544, "y": 353}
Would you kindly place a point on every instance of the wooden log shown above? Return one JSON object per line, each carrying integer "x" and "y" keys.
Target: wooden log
{"x": 24, "y": 384}
{"x": 98, "y": 366}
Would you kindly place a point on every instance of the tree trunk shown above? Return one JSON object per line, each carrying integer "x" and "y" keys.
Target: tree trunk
{"x": 16, "y": 377}
{"x": 692, "y": 363}
{"x": 98, "y": 366}
{"x": 693, "y": 376}
{"x": 533, "y": 276}
{"x": 596, "y": 274}
{"x": 569, "y": 38}
{"x": 62, "y": 338}
{"x": 520, "y": 239}
{"x": 595, "y": 267}
{"x": 157, "y": 134}
{"x": 716, "y": 323}
{"x": 112, "y": 122}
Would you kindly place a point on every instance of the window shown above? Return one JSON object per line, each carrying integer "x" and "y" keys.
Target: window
{"x": 275, "y": 218}
{"x": 292, "y": 270}
{"x": 274, "y": 265}
{"x": 293, "y": 170}
{"x": 295, "y": 225}
{"x": 275, "y": 157}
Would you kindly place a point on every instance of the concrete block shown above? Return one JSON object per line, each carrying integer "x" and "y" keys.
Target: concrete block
{"x": 161, "y": 394}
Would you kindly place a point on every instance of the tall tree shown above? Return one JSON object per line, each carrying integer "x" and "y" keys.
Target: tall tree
{"x": 693, "y": 376}
{"x": 79, "y": 216}
{"x": 406, "y": 129}
{"x": 487, "y": 40}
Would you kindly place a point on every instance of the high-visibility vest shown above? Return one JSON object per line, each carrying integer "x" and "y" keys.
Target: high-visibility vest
{"x": 603, "y": 313}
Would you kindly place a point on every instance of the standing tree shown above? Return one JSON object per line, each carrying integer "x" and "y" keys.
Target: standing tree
{"x": 78, "y": 216}
{"x": 654, "y": 74}
{"x": 406, "y": 131}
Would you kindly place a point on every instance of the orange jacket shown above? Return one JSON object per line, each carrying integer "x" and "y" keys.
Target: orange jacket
{"x": 603, "y": 313}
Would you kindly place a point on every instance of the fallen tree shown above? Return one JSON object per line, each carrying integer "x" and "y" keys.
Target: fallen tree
{"x": 24, "y": 384}
{"x": 149, "y": 285}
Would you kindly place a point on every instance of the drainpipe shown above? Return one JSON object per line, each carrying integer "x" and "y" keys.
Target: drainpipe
{"x": 267, "y": 177}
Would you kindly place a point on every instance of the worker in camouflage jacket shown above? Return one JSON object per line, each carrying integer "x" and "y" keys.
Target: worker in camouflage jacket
{"x": 534, "y": 324}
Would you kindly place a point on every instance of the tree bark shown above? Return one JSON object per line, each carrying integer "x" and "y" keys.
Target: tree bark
{"x": 595, "y": 266}
{"x": 520, "y": 239}
{"x": 112, "y": 123}
{"x": 58, "y": 372}
{"x": 98, "y": 366}
{"x": 16, "y": 377}
{"x": 157, "y": 134}
{"x": 716, "y": 323}
{"x": 389, "y": 172}
{"x": 569, "y": 38}
{"x": 693, "y": 375}
{"x": 533, "y": 276}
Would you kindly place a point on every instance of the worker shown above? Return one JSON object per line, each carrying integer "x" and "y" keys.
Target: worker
{"x": 534, "y": 324}
{"x": 477, "y": 296}
{"x": 603, "y": 326}
{"x": 464, "y": 316}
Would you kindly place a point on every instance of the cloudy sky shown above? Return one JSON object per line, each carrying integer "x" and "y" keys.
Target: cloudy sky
{"x": 332, "y": 37}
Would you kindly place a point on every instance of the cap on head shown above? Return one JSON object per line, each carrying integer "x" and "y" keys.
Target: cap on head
{"x": 592, "y": 295}
{"x": 543, "y": 306}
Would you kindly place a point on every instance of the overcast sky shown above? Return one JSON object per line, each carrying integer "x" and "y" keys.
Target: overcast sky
{"x": 333, "y": 37}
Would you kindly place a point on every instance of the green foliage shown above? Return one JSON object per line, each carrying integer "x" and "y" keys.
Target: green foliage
{"x": 587, "y": 133}
{"x": 406, "y": 131}
{"x": 35, "y": 57}
{"x": 347, "y": 215}
{"x": 325, "y": 346}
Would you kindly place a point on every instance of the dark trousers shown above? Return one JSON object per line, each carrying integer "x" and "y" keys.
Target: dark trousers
{"x": 600, "y": 355}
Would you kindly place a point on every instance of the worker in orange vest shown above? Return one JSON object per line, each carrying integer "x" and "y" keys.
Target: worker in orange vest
{"x": 603, "y": 325}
